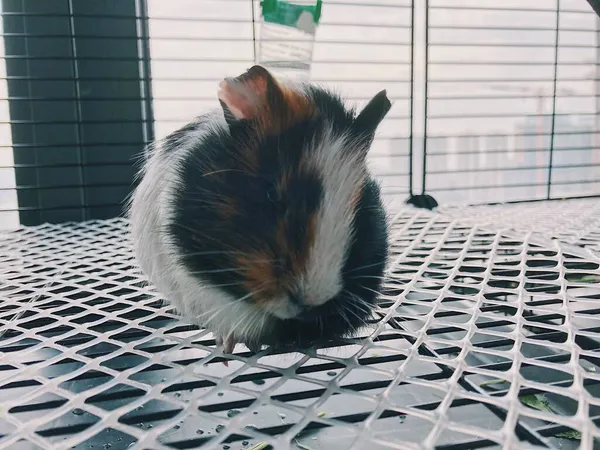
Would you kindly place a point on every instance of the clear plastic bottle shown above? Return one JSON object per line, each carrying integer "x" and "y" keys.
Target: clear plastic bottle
{"x": 286, "y": 36}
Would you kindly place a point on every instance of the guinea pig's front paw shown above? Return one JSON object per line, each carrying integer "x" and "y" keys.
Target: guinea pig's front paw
{"x": 253, "y": 347}
{"x": 228, "y": 343}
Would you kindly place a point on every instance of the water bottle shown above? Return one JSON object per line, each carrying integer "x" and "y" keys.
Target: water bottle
{"x": 286, "y": 36}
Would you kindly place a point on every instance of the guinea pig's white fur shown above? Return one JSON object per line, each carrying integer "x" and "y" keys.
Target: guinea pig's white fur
{"x": 151, "y": 211}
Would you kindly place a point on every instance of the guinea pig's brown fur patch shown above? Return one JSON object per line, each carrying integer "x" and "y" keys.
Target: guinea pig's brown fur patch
{"x": 297, "y": 107}
{"x": 259, "y": 275}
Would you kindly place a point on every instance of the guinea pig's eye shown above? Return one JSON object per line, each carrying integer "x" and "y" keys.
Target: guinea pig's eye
{"x": 272, "y": 194}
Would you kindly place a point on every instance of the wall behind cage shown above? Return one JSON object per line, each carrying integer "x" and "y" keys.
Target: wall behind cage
{"x": 512, "y": 100}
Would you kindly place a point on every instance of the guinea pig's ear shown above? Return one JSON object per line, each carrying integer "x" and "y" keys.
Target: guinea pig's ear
{"x": 370, "y": 117}
{"x": 251, "y": 95}
{"x": 257, "y": 96}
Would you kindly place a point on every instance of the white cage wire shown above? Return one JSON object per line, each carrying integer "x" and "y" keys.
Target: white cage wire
{"x": 486, "y": 336}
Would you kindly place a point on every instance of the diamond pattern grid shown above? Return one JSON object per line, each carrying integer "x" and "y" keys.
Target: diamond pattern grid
{"x": 575, "y": 222}
{"x": 487, "y": 335}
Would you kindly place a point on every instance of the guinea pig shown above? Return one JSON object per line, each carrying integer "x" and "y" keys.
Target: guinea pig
{"x": 260, "y": 221}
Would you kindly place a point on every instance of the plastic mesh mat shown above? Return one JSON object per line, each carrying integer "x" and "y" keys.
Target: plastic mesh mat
{"x": 484, "y": 337}
{"x": 575, "y": 222}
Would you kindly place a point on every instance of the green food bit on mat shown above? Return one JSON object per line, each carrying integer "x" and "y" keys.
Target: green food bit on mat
{"x": 321, "y": 414}
{"x": 260, "y": 446}
{"x": 302, "y": 446}
{"x": 536, "y": 401}
{"x": 488, "y": 383}
{"x": 573, "y": 435}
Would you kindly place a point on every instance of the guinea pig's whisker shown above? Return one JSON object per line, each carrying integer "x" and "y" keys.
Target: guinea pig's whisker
{"x": 208, "y": 199}
{"x": 196, "y": 235}
{"x": 255, "y": 320}
{"x": 218, "y": 310}
{"x": 206, "y": 195}
{"x": 360, "y": 303}
{"x": 261, "y": 288}
{"x": 372, "y": 290}
{"x": 356, "y": 326}
{"x": 245, "y": 318}
{"x": 366, "y": 276}
{"x": 345, "y": 317}
{"x": 240, "y": 283}
{"x": 204, "y": 253}
{"x": 236, "y": 304}
{"x": 373, "y": 308}
{"x": 265, "y": 260}
{"x": 361, "y": 268}
{"x": 342, "y": 311}
{"x": 214, "y": 172}
{"x": 247, "y": 165}
{"x": 213, "y": 311}
{"x": 233, "y": 269}
{"x": 248, "y": 324}
{"x": 360, "y": 300}
{"x": 361, "y": 322}
{"x": 361, "y": 308}
{"x": 202, "y": 272}
{"x": 261, "y": 325}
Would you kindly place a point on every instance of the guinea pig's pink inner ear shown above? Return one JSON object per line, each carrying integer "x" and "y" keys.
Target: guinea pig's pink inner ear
{"x": 249, "y": 95}
{"x": 241, "y": 100}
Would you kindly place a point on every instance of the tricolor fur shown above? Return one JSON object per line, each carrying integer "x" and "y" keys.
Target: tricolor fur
{"x": 260, "y": 221}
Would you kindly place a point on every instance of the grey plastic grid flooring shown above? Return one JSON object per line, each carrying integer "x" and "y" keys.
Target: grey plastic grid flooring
{"x": 575, "y": 222}
{"x": 479, "y": 319}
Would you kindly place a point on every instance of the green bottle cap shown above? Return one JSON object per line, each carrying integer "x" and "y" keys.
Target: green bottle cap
{"x": 301, "y": 16}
